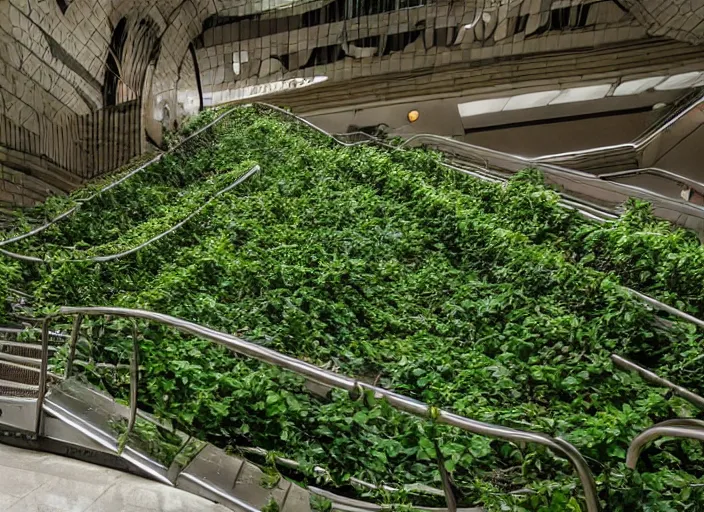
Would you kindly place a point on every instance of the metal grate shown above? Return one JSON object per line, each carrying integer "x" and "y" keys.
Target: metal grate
{"x": 22, "y": 349}
{"x": 18, "y": 373}
{"x": 14, "y": 389}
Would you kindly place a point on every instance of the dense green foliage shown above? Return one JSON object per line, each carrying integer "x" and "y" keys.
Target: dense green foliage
{"x": 492, "y": 301}
{"x": 9, "y": 273}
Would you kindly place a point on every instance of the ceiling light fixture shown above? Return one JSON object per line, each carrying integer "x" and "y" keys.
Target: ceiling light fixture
{"x": 681, "y": 81}
{"x": 475, "y": 108}
{"x": 589, "y": 93}
{"x": 637, "y": 86}
{"x": 531, "y": 100}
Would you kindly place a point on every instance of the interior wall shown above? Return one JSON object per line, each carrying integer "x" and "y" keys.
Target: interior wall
{"x": 559, "y": 137}
{"x": 686, "y": 157}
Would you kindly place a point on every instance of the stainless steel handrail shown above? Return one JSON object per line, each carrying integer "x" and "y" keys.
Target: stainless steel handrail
{"x": 656, "y": 304}
{"x": 111, "y": 257}
{"x": 484, "y": 173}
{"x": 653, "y": 378}
{"x": 645, "y": 298}
{"x": 656, "y": 171}
{"x": 681, "y": 428}
{"x": 641, "y": 141}
{"x": 115, "y": 183}
{"x": 563, "y": 177}
{"x": 547, "y": 167}
{"x": 328, "y": 378}
{"x": 544, "y": 158}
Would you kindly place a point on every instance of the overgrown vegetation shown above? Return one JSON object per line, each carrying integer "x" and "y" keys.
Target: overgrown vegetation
{"x": 9, "y": 273}
{"x": 488, "y": 300}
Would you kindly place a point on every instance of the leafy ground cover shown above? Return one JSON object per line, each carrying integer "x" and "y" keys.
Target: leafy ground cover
{"x": 488, "y": 300}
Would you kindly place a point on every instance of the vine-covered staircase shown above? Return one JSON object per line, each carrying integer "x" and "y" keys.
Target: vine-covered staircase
{"x": 80, "y": 421}
{"x": 19, "y": 365}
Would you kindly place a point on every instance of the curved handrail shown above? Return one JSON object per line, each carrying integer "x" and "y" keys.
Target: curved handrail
{"x": 679, "y": 427}
{"x": 644, "y": 140}
{"x": 483, "y": 174}
{"x": 656, "y": 304}
{"x": 549, "y": 169}
{"x": 683, "y": 428}
{"x": 641, "y": 141}
{"x": 656, "y": 171}
{"x": 113, "y": 184}
{"x": 156, "y": 238}
{"x": 591, "y": 211}
{"x": 653, "y": 378}
{"x": 560, "y": 175}
{"x": 330, "y": 379}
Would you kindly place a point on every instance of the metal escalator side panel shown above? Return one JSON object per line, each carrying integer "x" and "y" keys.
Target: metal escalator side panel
{"x": 17, "y": 413}
{"x": 95, "y": 416}
{"x": 238, "y": 484}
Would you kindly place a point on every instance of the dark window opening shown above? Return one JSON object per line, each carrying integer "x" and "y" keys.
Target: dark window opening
{"x": 325, "y": 55}
{"x": 216, "y": 20}
{"x": 397, "y": 42}
{"x": 112, "y": 63}
{"x": 521, "y": 24}
{"x": 248, "y": 27}
{"x": 444, "y": 36}
{"x": 368, "y": 7}
{"x": 367, "y": 42}
{"x": 312, "y": 18}
{"x": 560, "y": 18}
{"x": 583, "y": 15}
{"x": 63, "y": 5}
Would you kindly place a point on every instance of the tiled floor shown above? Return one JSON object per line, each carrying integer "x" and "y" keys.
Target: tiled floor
{"x": 39, "y": 482}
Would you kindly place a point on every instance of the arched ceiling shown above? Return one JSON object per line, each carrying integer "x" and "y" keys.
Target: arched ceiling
{"x": 55, "y": 55}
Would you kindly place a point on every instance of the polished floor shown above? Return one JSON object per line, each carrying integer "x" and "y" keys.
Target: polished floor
{"x": 39, "y": 482}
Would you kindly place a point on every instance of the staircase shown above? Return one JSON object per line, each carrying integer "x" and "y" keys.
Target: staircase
{"x": 82, "y": 422}
{"x": 20, "y": 362}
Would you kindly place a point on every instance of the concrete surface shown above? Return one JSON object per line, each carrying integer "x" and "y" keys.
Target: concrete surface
{"x": 39, "y": 482}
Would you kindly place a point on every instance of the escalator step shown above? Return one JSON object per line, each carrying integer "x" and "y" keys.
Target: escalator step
{"x": 18, "y": 373}
{"x": 14, "y": 348}
{"x": 15, "y": 389}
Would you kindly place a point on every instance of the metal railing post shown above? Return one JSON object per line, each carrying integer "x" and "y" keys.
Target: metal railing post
{"x": 445, "y": 479}
{"x": 134, "y": 376}
{"x": 331, "y": 379}
{"x": 72, "y": 344}
{"x": 43, "y": 371}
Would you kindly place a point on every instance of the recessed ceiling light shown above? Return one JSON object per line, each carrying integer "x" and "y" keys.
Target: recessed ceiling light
{"x": 530, "y": 100}
{"x": 592, "y": 92}
{"x": 413, "y": 116}
{"x": 637, "y": 86}
{"x": 475, "y": 108}
{"x": 658, "y": 106}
